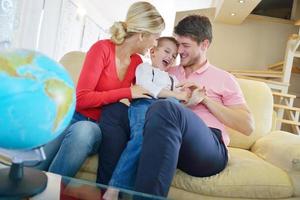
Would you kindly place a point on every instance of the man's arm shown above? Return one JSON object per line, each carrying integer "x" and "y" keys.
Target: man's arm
{"x": 237, "y": 117}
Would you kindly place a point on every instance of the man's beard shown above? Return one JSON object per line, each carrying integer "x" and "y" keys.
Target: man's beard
{"x": 192, "y": 61}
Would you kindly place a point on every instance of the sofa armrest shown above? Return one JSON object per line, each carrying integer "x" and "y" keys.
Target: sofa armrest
{"x": 280, "y": 148}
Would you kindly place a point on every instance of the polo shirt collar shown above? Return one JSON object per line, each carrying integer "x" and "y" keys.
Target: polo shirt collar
{"x": 203, "y": 68}
{"x": 200, "y": 70}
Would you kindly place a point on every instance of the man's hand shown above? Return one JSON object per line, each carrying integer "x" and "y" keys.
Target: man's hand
{"x": 188, "y": 85}
{"x": 182, "y": 96}
{"x": 198, "y": 95}
{"x": 237, "y": 117}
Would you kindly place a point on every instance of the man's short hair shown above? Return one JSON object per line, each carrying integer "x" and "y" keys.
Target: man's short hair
{"x": 196, "y": 27}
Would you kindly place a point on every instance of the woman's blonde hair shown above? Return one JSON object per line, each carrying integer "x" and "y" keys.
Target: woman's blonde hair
{"x": 142, "y": 17}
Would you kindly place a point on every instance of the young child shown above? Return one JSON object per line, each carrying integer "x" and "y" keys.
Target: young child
{"x": 160, "y": 84}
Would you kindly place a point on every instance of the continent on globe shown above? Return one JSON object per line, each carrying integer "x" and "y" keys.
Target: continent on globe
{"x": 37, "y": 99}
{"x": 11, "y": 63}
{"x": 62, "y": 95}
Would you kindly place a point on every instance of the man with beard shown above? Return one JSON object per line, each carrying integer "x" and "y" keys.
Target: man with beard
{"x": 192, "y": 139}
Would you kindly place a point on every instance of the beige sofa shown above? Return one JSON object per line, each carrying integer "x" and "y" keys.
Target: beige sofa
{"x": 265, "y": 165}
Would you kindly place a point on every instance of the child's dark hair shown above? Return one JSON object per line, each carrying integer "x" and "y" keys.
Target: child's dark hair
{"x": 196, "y": 27}
{"x": 171, "y": 39}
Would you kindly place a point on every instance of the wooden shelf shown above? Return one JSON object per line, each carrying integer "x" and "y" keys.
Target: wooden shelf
{"x": 289, "y": 122}
{"x": 263, "y": 80}
{"x": 294, "y": 37}
{"x": 258, "y": 73}
{"x": 284, "y": 95}
{"x": 286, "y": 107}
{"x": 276, "y": 66}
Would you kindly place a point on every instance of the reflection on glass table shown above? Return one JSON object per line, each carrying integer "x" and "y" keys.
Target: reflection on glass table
{"x": 65, "y": 188}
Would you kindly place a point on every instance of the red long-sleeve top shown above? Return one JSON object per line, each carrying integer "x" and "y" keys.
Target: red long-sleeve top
{"x": 98, "y": 83}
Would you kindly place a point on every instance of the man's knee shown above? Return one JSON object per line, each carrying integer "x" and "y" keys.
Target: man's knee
{"x": 164, "y": 108}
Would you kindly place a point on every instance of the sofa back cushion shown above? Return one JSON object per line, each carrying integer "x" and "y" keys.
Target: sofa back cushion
{"x": 260, "y": 101}
{"x": 73, "y": 62}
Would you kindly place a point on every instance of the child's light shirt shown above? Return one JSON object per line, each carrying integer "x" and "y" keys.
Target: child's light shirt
{"x": 220, "y": 86}
{"x": 153, "y": 79}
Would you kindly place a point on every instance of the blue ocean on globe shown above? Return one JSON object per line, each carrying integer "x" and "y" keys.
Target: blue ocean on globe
{"x": 37, "y": 99}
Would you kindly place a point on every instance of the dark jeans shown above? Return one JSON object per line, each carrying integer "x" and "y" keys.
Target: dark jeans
{"x": 114, "y": 125}
{"x": 174, "y": 137}
{"x": 125, "y": 172}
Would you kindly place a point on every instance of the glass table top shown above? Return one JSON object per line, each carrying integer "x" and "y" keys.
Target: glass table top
{"x": 71, "y": 188}
{"x": 55, "y": 187}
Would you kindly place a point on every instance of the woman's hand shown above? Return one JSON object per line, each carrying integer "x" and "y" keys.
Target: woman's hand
{"x": 138, "y": 92}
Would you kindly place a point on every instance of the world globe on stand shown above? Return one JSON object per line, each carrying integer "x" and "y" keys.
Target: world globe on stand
{"x": 37, "y": 99}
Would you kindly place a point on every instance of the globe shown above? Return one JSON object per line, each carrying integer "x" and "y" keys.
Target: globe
{"x": 37, "y": 99}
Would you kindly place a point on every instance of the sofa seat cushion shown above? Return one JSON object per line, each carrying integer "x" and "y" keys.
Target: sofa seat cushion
{"x": 90, "y": 165}
{"x": 246, "y": 176}
{"x": 86, "y": 176}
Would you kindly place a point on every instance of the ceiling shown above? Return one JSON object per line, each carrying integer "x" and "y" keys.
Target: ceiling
{"x": 173, "y": 10}
{"x": 227, "y": 11}
{"x": 209, "y": 12}
{"x": 235, "y": 11}
{"x": 116, "y": 9}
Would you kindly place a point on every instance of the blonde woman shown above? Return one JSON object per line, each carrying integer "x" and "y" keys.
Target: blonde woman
{"x": 106, "y": 77}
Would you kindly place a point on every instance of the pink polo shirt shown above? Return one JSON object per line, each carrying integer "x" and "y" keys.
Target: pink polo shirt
{"x": 220, "y": 86}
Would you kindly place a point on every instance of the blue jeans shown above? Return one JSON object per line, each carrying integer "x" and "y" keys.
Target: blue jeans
{"x": 125, "y": 171}
{"x": 66, "y": 154}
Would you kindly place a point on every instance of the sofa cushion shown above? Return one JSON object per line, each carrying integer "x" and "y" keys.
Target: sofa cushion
{"x": 246, "y": 176}
{"x": 260, "y": 101}
{"x": 281, "y": 149}
{"x": 87, "y": 176}
{"x": 73, "y": 62}
{"x": 90, "y": 165}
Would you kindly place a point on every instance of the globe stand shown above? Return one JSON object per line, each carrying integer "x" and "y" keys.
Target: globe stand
{"x": 19, "y": 181}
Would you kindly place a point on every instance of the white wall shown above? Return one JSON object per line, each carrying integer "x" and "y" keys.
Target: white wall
{"x": 29, "y": 23}
{"x": 95, "y": 13}
{"x": 116, "y": 11}
{"x": 54, "y": 40}
{"x": 49, "y": 27}
{"x": 46, "y": 37}
{"x": 9, "y": 22}
{"x": 254, "y": 44}
{"x": 181, "y": 5}
{"x": 167, "y": 10}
